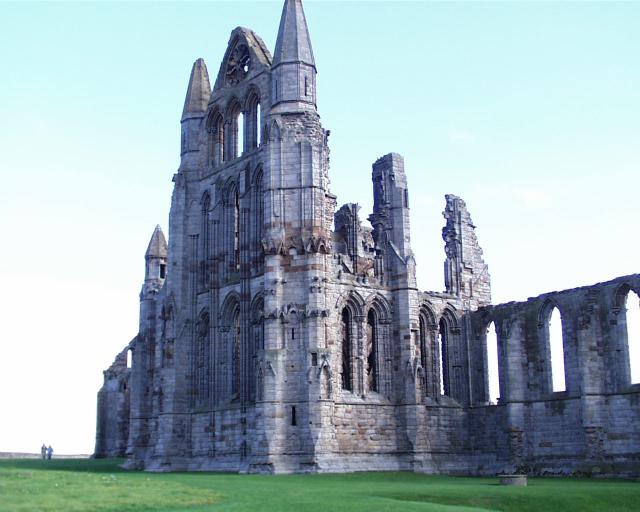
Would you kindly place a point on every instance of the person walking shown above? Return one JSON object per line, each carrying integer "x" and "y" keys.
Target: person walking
{"x": 43, "y": 451}
{"x": 49, "y": 452}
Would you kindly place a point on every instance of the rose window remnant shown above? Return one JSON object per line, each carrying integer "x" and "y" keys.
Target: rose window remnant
{"x": 238, "y": 64}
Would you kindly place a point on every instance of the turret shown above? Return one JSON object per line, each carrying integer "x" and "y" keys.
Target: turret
{"x": 293, "y": 67}
{"x": 195, "y": 107}
{"x": 155, "y": 263}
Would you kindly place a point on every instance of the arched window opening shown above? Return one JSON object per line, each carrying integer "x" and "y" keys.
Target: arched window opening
{"x": 492, "y": 364}
{"x": 422, "y": 341}
{"x": 633, "y": 334}
{"x": 258, "y": 126}
{"x": 202, "y": 360}
{"x": 443, "y": 336}
{"x": 256, "y": 345}
{"x": 239, "y": 150}
{"x": 258, "y": 221}
{"x": 129, "y": 358}
{"x": 231, "y": 230}
{"x": 372, "y": 356}
{"x": 236, "y": 232}
{"x": 235, "y": 354}
{"x": 345, "y": 326}
{"x": 216, "y": 140}
{"x": 556, "y": 351}
{"x": 204, "y": 230}
{"x": 235, "y": 132}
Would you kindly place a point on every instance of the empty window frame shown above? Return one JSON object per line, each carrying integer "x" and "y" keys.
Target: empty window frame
{"x": 345, "y": 327}
{"x": 632, "y": 307}
{"x": 493, "y": 379}
{"x": 556, "y": 350}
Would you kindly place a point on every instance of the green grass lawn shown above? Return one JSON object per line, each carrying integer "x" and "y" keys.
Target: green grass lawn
{"x": 100, "y": 485}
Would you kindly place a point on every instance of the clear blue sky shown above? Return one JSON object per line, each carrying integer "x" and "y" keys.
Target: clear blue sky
{"x": 528, "y": 110}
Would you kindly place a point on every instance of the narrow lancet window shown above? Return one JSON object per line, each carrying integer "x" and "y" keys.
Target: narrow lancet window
{"x": 235, "y": 354}
{"x": 258, "y": 126}
{"x": 633, "y": 335}
{"x": 444, "y": 363}
{"x": 239, "y": 149}
{"x": 345, "y": 325}
{"x": 236, "y": 233}
{"x": 556, "y": 351}
{"x": 216, "y": 140}
{"x": 492, "y": 364}
{"x": 129, "y": 358}
{"x": 372, "y": 370}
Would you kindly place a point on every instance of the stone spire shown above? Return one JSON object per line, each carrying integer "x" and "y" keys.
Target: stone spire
{"x": 198, "y": 92}
{"x": 157, "y": 245}
{"x": 293, "y": 67}
{"x": 293, "y": 44}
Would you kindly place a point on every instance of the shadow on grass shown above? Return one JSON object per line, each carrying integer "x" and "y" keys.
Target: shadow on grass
{"x": 76, "y": 465}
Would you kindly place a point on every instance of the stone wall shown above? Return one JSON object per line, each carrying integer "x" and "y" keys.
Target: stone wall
{"x": 112, "y": 426}
{"x": 592, "y": 426}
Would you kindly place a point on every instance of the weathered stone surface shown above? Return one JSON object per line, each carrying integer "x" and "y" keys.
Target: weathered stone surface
{"x": 269, "y": 342}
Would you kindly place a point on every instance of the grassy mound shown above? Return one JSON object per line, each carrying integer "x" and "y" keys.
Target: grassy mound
{"x": 100, "y": 486}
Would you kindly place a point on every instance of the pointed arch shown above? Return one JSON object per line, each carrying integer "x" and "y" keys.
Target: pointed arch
{"x": 451, "y": 356}
{"x": 252, "y": 109}
{"x": 255, "y": 346}
{"x": 215, "y": 135}
{"x": 231, "y": 345}
{"x": 427, "y": 347}
{"x": 234, "y": 129}
{"x": 325, "y": 378}
{"x": 231, "y": 227}
{"x": 346, "y": 339}
{"x": 627, "y": 312}
{"x": 377, "y": 353}
{"x": 205, "y": 232}
{"x": 202, "y": 359}
{"x": 257, "y": 210}
{"x": 550, "y": 323}
{"x": 493, "y": 363}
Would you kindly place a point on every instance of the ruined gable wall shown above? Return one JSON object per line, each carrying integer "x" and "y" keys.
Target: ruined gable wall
{"x": 112, "y": 425}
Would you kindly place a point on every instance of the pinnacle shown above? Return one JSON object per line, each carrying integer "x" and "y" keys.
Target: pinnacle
{"x": 199, "y": 90}
{"x": 157, "y": 245}
{"x": 294, "y": 43}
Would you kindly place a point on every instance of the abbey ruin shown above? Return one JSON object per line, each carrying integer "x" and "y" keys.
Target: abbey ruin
{"x": 280, "y": 333}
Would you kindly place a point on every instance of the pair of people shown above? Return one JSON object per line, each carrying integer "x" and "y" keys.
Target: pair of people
{"x": 46, "y": 452}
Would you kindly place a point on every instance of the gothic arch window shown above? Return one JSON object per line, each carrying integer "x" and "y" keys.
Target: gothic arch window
{"x": 452, "y": 358}
{"x": 235, "y": 131}
{"x": 443, "y": 373}
{"x": 129, "y": 358}
{"x": 205, "y": 236}
{"x": 427, "y": 347}
{"x": 258, "y": 220}
{"x": 256, "y": 345}
{"x": 552, "y": 334}
{"x": 371, "y": 351}
{"x": 202, "y": 359}
{"x": 232, "y": 353}
{"x": 628, "y": 319}
{"x": 235, "y": 357}
{"x": 346, "y": 337}
{"x": 232, "y": 228}
{"x": 215, "y": 130}
{"x": 252, "y": 118}
{"x": 493, "y": 379}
